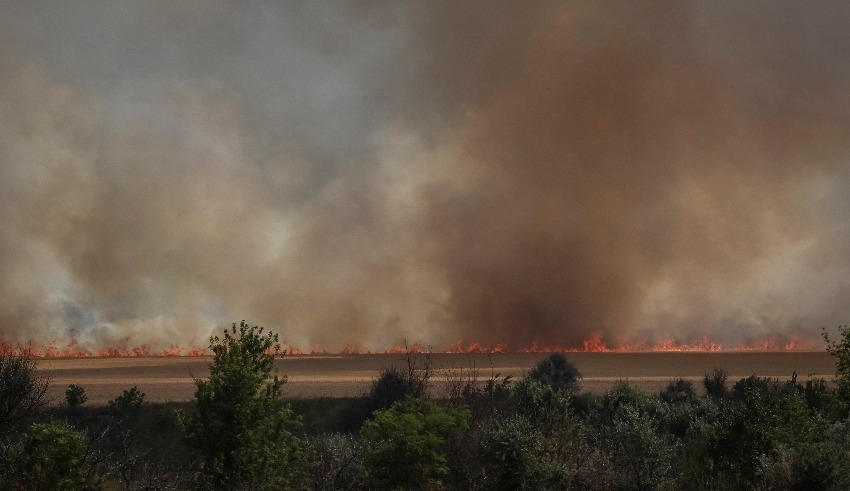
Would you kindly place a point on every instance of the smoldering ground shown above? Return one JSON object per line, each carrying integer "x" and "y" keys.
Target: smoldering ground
{"x": 364, "y": 172}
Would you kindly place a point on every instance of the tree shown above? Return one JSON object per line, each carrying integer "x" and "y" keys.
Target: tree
{"x": 408, "y": 443}
{"x": 239, "y": 423}
{"x": 22, "y": 391}
{"x": 557, "y": 371}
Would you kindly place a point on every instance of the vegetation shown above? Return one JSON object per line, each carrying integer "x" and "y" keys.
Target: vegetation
{"x": 52, "y": 455}
{"x": 557, "y": 371}
{"x": 537, "y": 432}
{"x": 22, "y": 392}
{"x": 75, "y": 396}
{"x": 840, "y": 349}
{"x": 239, "y": 424}
{"x": 407, "y": 443}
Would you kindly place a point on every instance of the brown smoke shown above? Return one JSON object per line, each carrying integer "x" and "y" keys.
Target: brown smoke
{"x": 499, "y": 172}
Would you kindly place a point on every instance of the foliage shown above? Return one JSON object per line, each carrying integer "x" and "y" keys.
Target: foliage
{"x": 390, "y": 387}
{"x": 840, "y": 349}
{"x": 239, "y": 424}
{"x": 755, "y": 426}
{"x": 75, "y": 396}
{"x": 557, "y": 371}
{"x": 330, "y": 414}
{"x": 544, "y": 404}
{"x": 628, "y": 427}
{"x": 677, "y": 391}
{"x": 52, "y": 456}
{"x": 22, "y": 391}
{"x": 396, "y": 382}
{"x": 514, "y": 455}
{"x": 337, "y": 462}
{"x": 715, "y": 383}
{"x": 128, "y": 405}
{"x": 407, "y": 443}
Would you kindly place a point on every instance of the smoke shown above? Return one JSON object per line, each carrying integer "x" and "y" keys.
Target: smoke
{"x": 362, "y": 173}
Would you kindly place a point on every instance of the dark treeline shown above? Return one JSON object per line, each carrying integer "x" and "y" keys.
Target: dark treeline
{"x": 537, "y": 432}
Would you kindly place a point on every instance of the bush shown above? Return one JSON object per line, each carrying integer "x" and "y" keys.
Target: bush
{"x": 514, "y": 455}
{"x": 629, "y": 426}
{"x": 840, "y": 350}
{"x": 395, "y": 383}
{"x": 715, "y": 383}
{"x": 22, "y": 391}
{"x": 407, "y": 443}
{"x": 75, "y": 396}
{"x": 52, "y": 456}
{"x": 127, "y": 405}
{"x": 678, "y": 390}
{"x": 239, "y": 423}
{"x": 390, "y": 387}
{"x": 557, "y": 371}
{"x": 337, "y": 462}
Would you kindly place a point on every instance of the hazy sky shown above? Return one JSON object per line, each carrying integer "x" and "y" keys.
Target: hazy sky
{"x": 361, "y": 172}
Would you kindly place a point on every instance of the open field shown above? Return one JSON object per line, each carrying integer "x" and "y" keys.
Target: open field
{"x": 171, "y": 378}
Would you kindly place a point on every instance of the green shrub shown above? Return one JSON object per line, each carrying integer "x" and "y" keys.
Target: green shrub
{"x": 678, "y": 390}
{"x": 408, "y": 443}
{"x": 52, "y": 456}
{"x": 513, "y": 454}
{"x": 390, "y": 387}
{"x": 75, "y": 396}
{"x": 557, "y": 371}
{"x": 715, "y": 383}
{"x": 22, "y": 392}
{"x": 128, "y": 405}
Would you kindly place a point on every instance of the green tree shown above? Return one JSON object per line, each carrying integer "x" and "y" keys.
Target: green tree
{"x": 239, "y": 423}
{"x": 51, "y": 456}
{"x": 408, "y": 443}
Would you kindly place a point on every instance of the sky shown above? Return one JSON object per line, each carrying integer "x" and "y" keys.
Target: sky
{"x": 359, "y": 173}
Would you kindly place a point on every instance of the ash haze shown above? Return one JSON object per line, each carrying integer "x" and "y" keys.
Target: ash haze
{"x": 361, "y": 172}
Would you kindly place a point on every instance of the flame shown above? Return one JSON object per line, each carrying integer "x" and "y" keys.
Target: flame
{"x": 73, "y": 350}
{"x": 595, "y": 343}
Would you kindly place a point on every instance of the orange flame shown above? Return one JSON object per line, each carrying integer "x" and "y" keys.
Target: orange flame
{"x": 595, "y": 343}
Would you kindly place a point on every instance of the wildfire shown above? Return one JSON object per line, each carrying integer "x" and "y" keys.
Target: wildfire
{"x": 595, "y": 343}
{"x": 73, "y": 350}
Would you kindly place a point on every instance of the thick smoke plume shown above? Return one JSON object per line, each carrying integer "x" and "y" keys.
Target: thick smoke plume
{"x": 359, "y": 173}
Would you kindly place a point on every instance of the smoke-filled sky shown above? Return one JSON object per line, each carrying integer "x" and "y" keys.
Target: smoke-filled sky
{"x": 363, "y": 172}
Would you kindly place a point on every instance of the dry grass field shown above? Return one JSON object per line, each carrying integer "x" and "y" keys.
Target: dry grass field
{"x": 171, "y": 378}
